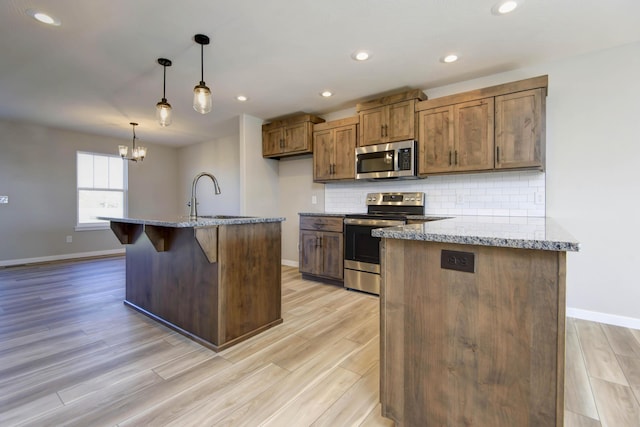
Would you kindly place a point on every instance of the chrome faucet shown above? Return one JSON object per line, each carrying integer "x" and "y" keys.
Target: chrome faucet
{"x": 193, "y": 213}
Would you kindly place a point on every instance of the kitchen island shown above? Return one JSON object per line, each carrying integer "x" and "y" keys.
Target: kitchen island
{"x": 215, "y": 279}
{"x": 473, "y": 322}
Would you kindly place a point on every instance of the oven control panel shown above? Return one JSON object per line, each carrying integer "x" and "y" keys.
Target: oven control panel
{"x": 395, "y": 199}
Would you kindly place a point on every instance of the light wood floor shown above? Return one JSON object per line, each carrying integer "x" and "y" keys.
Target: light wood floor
{"x": 72, "y": 354}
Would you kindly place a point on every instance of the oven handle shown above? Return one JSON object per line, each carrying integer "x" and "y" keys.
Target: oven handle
{"x": 374, "y": 222}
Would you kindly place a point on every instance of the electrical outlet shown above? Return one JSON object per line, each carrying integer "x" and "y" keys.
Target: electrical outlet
{"x": 314, "y": 200}
{"x": 4, "y": 200}
{"x": 539, "y": 198}
{"x": 69, "y": 239}
{"x": 459, "y": 198}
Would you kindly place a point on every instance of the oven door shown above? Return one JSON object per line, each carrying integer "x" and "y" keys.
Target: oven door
{"x": 362, "y": 253}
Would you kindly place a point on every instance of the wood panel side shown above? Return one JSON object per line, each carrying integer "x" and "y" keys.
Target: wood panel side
{"x": 392, "y": 330}
{"x": 207, "y": 238}
{"x": 479, "y": 348}
{"x": 250, "y": 278}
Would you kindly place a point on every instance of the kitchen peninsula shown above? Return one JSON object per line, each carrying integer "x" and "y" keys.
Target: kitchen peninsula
{"x": 473, "y": 322}
{"x": 214, "y": 279}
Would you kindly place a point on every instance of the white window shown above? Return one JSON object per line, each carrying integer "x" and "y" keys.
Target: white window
{"x": 102, "y": 189}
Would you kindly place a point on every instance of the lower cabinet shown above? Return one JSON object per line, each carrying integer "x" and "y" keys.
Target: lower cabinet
{"x": 322, "y": 247}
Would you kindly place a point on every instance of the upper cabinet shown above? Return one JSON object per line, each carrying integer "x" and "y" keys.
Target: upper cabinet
{"x": 388, "y": 119}
{"x": 456, "y": 138}
{"x": 520, "y": 129}
{"x": 288, "y": 137}
{"x": 500, "y": 127}
{"x": 334, "y": 145}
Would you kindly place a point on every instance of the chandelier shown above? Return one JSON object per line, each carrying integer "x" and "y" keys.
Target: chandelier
{"x": 137, "y": 153}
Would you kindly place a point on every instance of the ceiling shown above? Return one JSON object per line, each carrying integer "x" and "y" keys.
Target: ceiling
{"x": 97, "y": 71}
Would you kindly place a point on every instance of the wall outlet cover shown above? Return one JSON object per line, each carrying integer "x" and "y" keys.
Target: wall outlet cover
{"x": 4, "y": 200}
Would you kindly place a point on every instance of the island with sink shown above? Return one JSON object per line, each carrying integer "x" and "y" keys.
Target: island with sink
{"x": 472, "y": 323}
{"x": 215, "y": 279}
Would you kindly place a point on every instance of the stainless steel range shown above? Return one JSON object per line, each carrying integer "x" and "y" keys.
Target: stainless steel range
{"x": 362, "y": 251}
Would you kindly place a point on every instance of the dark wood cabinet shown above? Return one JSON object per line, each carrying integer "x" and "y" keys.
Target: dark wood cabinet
{"x": 322, "y": 247}
{"x": 456, "y": 138}
{"x": 495, "y": 128}
{"x": 388, "y": 119}
{"x": 334, "y": 145}
{"x": 288, "y": 137}
{"x": 520, "y": 130}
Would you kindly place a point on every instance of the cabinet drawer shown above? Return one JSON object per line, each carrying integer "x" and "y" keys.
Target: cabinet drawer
{"x": 321, "y": 223}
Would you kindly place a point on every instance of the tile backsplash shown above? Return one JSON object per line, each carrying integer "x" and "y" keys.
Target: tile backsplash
{"x": 492, "y": 193}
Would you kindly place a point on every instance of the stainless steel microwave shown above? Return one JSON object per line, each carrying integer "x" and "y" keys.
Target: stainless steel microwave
{"x": 383, "y": 161}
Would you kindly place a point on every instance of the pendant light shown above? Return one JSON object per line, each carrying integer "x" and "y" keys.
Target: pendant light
{"x": 201, "y": 93}
{"x": 137, "y": 153}
{"x": 163, "y": 108}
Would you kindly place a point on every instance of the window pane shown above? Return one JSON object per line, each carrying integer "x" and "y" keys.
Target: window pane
{"x": 85, "y": 170}
{"x": 116, "y": 175}
{"x": 100, "y": 172}
{"x": 94, "y": 203}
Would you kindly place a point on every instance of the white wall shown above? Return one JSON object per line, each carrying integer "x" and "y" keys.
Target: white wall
{"x": 38, "y": 173}
{"x": 258, "y": 176}
{"x": 221, "y": 158}
{"x": 296, "y": 195}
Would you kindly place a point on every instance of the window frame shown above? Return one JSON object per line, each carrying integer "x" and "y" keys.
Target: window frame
{"x": 91, "y": 226}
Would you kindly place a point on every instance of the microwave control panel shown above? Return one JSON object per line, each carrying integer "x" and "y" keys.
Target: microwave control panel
{"x": 404, "y": 159}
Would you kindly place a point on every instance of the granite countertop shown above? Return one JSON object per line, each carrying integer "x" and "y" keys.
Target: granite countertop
{"x": 511, "y": 232}
{"x": 321, "y": 214}
{"x": 202, "y": 221}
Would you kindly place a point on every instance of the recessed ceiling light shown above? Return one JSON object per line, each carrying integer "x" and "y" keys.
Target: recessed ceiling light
{"x": 361, "y": 55}
{"x": 326, "y": 94}
{"x": 450, "y": 58}
{"x": 43, "y": 17}
{"x": 505, "y": 7}
{"x": 242, "y": 98}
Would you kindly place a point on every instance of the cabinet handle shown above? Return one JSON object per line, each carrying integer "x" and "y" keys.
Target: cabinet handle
{"x": 386, "y": 130}
{"x": 449, "y": 157}
{"x": 497, "y": 154}
{"x": 381, "y": 131}
{"x": 456, "y": 156}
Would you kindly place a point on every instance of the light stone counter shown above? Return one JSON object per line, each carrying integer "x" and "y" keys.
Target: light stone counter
{"x": 202, "y": 221}
{"x": 511, "y": 232}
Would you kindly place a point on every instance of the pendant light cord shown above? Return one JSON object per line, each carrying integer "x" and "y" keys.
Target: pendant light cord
{"x": 164, "y": 85}
{"x": 202, "y": 64}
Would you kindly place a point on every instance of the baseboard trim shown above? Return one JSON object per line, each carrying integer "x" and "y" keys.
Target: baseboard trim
{"x": 290, "y": 263}
{"x": 609, "y": 319}
{"x": 79, "y": 255}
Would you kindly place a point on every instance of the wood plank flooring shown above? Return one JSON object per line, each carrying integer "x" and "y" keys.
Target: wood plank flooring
{"x": 72, "y": 354}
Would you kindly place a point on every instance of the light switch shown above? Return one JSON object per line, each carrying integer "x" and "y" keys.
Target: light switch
{"x": 314, "y": 200}
{"x": 4, "y": 200}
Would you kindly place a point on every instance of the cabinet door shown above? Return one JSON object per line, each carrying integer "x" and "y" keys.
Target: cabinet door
{"x": 323, "y": 153}
{"x": 344, "y": 163}
{"x": 296, "y": 138}
{"x": 520, "y": 130}
{"x": 401, "y": 121}
{"x": 435, "y": 139}
{"x": 474, "y": 135}
{"x": 272, "y": 141}
{"x": 333, "y": 256}
{"x": 372, "y": 129}
{"x": 310, "y": 252}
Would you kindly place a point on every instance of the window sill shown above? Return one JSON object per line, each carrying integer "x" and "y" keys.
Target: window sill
{"x": 92, "y": 227}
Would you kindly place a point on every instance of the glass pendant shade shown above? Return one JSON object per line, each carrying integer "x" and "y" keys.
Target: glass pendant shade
{"x": 163, "y": 112}
{"x": 202, "y": 100}
{"x": 123, "y": 150}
